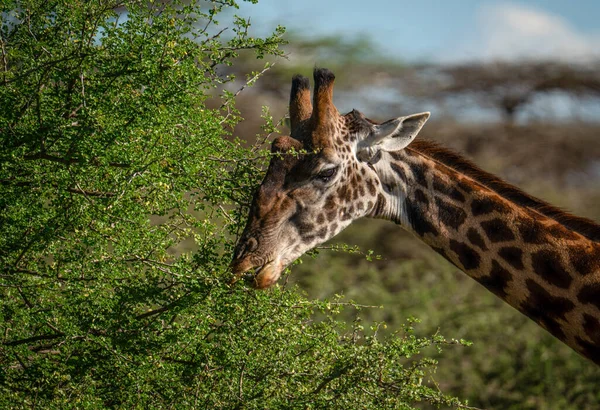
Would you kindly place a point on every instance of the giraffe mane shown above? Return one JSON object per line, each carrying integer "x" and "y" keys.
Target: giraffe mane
{"x": 583, "y": 226}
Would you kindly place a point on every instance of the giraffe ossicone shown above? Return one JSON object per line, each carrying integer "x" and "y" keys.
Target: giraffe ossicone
{"x": 539, "y": 259}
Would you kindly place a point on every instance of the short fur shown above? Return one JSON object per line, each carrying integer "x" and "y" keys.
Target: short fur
{"x": 583, "y": 226}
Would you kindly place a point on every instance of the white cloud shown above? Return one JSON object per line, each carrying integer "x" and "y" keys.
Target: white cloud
{"x": 509, "y": 31}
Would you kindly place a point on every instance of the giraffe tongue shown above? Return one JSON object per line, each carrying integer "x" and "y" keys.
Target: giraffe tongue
{"x": 267, "y": 275}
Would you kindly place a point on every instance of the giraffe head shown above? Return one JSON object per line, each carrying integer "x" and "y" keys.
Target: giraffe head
{"x": 320, "y": 179}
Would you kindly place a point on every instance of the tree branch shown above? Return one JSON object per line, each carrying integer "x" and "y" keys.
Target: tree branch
{"x": 33, "y": 339}
{"x": 60, "y": 160}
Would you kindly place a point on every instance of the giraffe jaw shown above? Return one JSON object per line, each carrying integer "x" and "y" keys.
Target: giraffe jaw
{"x": 268, "y": 274}
{"x": 265, "y": 276}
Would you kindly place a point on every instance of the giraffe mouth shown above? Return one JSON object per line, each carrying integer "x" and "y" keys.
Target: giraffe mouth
{"x": 263, "y": 276}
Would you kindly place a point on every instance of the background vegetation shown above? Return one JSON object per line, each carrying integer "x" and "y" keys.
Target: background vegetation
{"x": 122, "y": 189}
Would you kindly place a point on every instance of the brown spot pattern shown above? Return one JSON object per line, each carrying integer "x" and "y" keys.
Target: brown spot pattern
{"x": 531, "y": 231}
{"x": 591, "y": 326}
{"x": 497, "y": 231}
{"x": 344, "y": 193}
{"x": 486, "y": 205}
{"x": 513, "y": 256}
{"x": 447, "y": 189}
{"x": 459, "y": 164}
{"x": 302, "y": 226}
{"x": 331, "y": 215}
{"x": 545, "y": 309}
{"x": 330, "y": 202}
{"x": 467, "y": 256}
{"x": 322, "y": 233}
{"x": 399, "y": 171}
{"x": 379, "y": 205}
{"x": 421, "y": 197}
{"x": 450, "y": 215}
{"x": 476, "y": 239}
{"x": 589, "y": 294}
{"x": 497, "y": 280}
{"x": 585, "y": 260}
{"x": 419, "y": 175}
{"x": 466, "y": 186}
{"x": 417, "y": 221}
{"x": 548, "y": 266}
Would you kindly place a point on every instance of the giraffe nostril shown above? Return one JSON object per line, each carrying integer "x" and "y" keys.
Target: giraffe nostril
{"x": 251, "y": 245}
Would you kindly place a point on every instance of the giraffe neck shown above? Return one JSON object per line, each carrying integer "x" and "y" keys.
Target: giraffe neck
{"x": 537, "y": 265}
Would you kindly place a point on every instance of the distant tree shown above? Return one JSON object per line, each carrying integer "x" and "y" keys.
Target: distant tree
{"x": 508, "y": 86}
{"x": 119, "y": 201}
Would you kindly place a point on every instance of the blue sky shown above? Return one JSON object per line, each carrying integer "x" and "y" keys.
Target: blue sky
{"x": 445, "y": 30}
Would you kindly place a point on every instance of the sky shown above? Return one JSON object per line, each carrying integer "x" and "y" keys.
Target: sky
{"x": 445, "y": 30}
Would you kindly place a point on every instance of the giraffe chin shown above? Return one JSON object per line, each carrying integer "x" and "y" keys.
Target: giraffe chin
{"x": 268, "y": 274}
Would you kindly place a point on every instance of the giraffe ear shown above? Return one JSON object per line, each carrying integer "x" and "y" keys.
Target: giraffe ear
{"x": 392, "y": 135}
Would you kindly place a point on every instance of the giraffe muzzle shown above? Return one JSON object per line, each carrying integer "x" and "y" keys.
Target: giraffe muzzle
{"x": 263, "y": 276}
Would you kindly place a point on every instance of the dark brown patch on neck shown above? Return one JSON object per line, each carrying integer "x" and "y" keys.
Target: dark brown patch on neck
{"x": 589, "y": 294}
{"x": 548, "y": 266}
{"x": 497, "y": 231}
{"x": 421, "y": 197}
{"x": 486, "y": 205}
{"x": 450, "y": 215}
{"x": 379, "y": 205}
{"x": 583, "y": 226}
{"x": 513, "y": 256}
{"x": 419, "y": 174}
{"x": 591, "y": 326}
{"x": 544, "y": 308}
{"x": 467, "y": 256}
{"x": 531, "y": 231}
{"x": 585, "y": 260}
{"x": 476, "y": 239}
{"x": 497, "y": 280}
{"x": 399, "y": 171}
{"x": 417, "y": 221}
{"x": 447, "y": 189}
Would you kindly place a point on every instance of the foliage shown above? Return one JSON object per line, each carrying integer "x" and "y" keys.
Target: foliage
{"x": 112, "y": 161}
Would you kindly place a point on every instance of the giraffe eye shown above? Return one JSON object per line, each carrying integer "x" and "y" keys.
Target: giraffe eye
{"x": 326, "y": 175}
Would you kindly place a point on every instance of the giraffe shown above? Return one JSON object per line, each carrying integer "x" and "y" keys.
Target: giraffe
{"x": 335, "y": 168}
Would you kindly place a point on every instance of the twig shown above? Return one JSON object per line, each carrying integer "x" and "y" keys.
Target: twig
{"x": 246, "y": 84}
{"x": 153, "y": 312}
{"x": 33, "y": 339}
{"x": 27, "y": 302}
{"x": 335, "y": 375}
{"x": 60, "y": 160}
{"x": 83, "y": 90}
{"x": 78, "y": 190}
{"x": 240, "y": 382}
{"x": 4, "y": 60}
{"x": 257, "y": 145}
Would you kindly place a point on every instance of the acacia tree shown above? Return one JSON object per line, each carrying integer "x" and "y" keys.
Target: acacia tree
{"x": 120, "y": 199}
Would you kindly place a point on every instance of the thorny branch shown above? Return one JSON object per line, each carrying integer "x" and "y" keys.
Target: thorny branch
{"x": 246, "y": 85}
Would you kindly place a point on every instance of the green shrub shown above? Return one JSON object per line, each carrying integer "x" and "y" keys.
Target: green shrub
{"x": 112, "y": 169}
